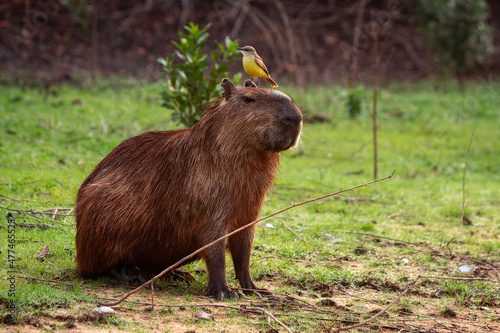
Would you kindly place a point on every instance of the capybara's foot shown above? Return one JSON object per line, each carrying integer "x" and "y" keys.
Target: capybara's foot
{"x": 220, "y": 295}
{"x": 220, "y": 291}
{"x": 250, "y": 84}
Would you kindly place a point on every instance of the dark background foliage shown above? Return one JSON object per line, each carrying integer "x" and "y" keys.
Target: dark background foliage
{"x": 302, "y": 41}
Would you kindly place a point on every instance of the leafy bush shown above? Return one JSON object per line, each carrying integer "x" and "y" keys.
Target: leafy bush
{"x": 354, "y": 101}
{"x": 189, "y": 89}
{"x": 458, "y": 32}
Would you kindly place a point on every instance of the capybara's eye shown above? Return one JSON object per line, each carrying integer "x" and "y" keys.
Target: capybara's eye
{"x": 247, "y": 100}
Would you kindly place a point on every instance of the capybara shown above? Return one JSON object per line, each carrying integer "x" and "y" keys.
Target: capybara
{"x": 161, "y": 195}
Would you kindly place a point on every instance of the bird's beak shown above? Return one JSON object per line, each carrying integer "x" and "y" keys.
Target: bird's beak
{"x": 239, "y": 48}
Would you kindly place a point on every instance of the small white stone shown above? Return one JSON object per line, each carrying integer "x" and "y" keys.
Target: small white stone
{"x": 203, "y": 315}
{"x": 269, "y": 225}
{"x": 103, "y": 310}
{"x": 405, "y": 260}
{"x": 467, "y": 268}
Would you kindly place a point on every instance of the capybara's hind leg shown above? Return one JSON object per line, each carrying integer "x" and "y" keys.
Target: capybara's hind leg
{"x": 130, "y": 275}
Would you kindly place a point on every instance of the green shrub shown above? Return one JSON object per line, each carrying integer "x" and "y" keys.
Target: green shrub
{"x": 458, "y": 33}
{"x": 189, "y": 87}
{"x": 354, "y": 101}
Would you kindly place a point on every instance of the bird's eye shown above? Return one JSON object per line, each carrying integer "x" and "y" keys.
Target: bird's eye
{"x": 247, "y": 100}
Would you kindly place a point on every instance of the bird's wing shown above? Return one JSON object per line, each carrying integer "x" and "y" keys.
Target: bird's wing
{"x": 259, "y": 62}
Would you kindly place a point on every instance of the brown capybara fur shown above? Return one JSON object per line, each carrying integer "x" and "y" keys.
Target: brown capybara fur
{"x": 160, "y": 196}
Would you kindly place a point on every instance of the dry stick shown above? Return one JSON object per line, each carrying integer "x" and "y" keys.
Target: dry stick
{"x": 269, "y": 315}
{"x": 30, "y": 279}
{"x": 397, "y": 240}
{"x": 51, "y": 211}
{"x": 347, "y": 328}
{"x": 448, "y": 247}
{"x": 27, "y": 212}
{"x": 293, "y": 232}
{"x": 238, "y": 230}
{"x": 95, "y": 41}
{"x": 287, "y": 296}
{"x": 152, "y": 297}
{"x": 458, "y": 278}
{"x": 292, "y": 48}
{"x": 375, "y": 90}
{"x": 264, "y": 29}
{"x": 29, "y": 240}
{"x": 69, "y": 214}
{"x": 4, "y": 198}
{"x": 239, "y": 18}
{"x": 357, "y": 33}
{"x": 463, "y": 187}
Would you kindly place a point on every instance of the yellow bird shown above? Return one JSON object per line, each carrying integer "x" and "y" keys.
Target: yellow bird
{"x": 254, "y": 66}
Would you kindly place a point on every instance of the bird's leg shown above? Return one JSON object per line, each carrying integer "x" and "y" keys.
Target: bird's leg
{"x": 258, "y": 84}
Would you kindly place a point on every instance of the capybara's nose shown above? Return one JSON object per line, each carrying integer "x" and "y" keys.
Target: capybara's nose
{"x": 291, "y": 118}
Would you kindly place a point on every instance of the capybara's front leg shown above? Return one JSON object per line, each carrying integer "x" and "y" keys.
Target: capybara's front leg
{"x": 240, "y": 246}
{"x": 215, "y": 259}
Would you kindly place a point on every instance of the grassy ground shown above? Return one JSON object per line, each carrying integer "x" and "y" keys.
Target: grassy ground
{"x": 330, "y": 263}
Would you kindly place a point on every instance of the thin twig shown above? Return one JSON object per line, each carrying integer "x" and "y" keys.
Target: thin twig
{"x": 347, "y": 328}
{"x": 236, "y": 231}
{"x": 29, "y": 240}
{"x": 375, "y": 97}
{"x": 293, "y": 232}
{"x": 270, "y": 315}
{"x": 4, "y": 198}
{"x": 33, "y": 225}
{"x": 34, "y": 213}
{"x": 69, "y": 285}
{"x": 152, "y": 297}
{"x": 397, "y": 240}
{"x": 69, "y": 214}
{"x": 355, "y": 42}
{"x": 464, "y": 202}
{"x": 458, "y": 278}
{"x": 448, "y": 247}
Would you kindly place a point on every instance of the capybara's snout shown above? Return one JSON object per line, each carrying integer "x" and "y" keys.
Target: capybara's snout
{"x": 290, "y": 119}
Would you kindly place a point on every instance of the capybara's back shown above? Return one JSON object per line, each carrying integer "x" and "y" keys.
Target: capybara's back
{"x": 160, "y": 196}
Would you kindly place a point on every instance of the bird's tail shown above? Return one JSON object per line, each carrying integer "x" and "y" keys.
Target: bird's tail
{"x": 271, "y": 82}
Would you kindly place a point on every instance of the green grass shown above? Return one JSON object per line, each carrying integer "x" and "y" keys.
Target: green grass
{"x": 50, "y": 142}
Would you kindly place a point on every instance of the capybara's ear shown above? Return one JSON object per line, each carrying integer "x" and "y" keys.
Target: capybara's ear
{"x": 229, "y": 88}
{"x": 250, "y": 84}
